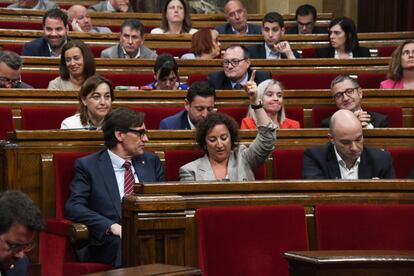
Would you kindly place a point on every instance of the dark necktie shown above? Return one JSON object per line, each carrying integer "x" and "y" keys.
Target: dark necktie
{"x": 238, "y": 86}
{"x": 128, "y": 178}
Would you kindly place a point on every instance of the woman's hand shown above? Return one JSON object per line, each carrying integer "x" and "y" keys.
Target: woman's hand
{"x": 251, "y": 89}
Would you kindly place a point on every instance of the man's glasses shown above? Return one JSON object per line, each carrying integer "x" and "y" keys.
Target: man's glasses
{"x": 233, "y": 62}
{"x": 340, "y": 95}
{"x": 5, "y": 81}
{"x": 16, "y": 248}
{"x": 140, "y": 133}
{"x": 305, "y": 25}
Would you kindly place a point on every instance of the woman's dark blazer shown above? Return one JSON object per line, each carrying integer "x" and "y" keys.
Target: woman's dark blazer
{"x": 329, "y": 52}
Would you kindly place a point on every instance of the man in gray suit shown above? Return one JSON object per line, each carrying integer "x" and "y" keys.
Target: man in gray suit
{"x": 81, "y": 21}
{"x": 111, "y": 6}
{"x": 33, "y": 5}
{"x": 130, "y": 44}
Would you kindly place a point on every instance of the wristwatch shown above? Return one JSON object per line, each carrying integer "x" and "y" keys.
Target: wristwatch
{"x": 256, "y": 106}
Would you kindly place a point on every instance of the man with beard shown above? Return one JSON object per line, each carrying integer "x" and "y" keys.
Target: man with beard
{"x": 81, "y": 20}
{"x": 102, "y": 179}
{"x": 33, "y": 5}
{"x": 198, "y": 103}
{"x": 345, "y": 156}
{"x": 273, "y": 28}
{"x": 131, "y": 43}
{"x": 236, "y": 16}
{"x": 20, "y": 221}
{"x": 55, "y": 30}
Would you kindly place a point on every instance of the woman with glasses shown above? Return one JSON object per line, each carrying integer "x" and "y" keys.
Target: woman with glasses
{"x": 401, "y": 70}
{"x": 166, "y": 74}
{"x": 95, "y": 102}
{"x": 270, "y": 94}
{"x": 343, "y": 41}
{"x": 175, "y": 18}
{"x": 76, "y": 65}
{"x": 217, "y": 136}
{"x": 204, "y": 45}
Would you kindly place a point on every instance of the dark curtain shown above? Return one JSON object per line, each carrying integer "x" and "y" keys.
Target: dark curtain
{"x": 385, "y": 15}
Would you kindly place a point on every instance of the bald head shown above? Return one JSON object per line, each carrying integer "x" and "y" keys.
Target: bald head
{"x": 82, "y": 17}
{"x": 344, "y": 120}
{"x": 236, "y": 14}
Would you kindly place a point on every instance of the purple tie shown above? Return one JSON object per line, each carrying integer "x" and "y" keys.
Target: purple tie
{"x": 128, "y": 178}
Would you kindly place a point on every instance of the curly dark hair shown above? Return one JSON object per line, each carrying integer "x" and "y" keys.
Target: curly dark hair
{"x": 209, "y": 122}
{"x": 17, "y": 208}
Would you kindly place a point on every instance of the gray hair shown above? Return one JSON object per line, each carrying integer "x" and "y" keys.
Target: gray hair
{"x": 11, "y": 59}
{"x": 342, "y": 78}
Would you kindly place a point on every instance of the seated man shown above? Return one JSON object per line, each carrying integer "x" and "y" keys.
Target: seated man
{"x": 273, "y": 27}
{"x": 131, "y": 42}
{"x": 236, "y": 70}
{"x": 306, "y": 19}
{"x": 11, "y": 70}
{"x": 55, "y": 35}
{"x": 236, "y": 16}
{"x": 198, "y": 103}
{"x": 20, "y": 222}
{"x": 348, "y": 95}
{"x": 102, "y": 179}
{"x": 34, "y": 5}
{"x": 81, "y": 21}
{"x": 111, "y": 6}
{"x": 345, "y": 156}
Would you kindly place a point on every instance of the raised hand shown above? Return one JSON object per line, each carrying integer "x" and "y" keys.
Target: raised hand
{"x": 363, "y": 117}
{"x": 251, "y": 88}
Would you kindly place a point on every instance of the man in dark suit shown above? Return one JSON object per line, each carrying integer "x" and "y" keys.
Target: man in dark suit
{"x": 236, "y": 16}
{"x": 346, "y": 157}
{"x": 348, "y": 95}
{"x": 273, "y": 28}
{"x": 306, "y": 17}
{"x": 102, "y": 179}
{"x": 20, "y": 221}
{"x": 198, "y": 103}
{"x": 236, "y": 70}
{"x": 55, "y": 35}
{"x": 11, "y": 70}
{"x": 111, "y": 6}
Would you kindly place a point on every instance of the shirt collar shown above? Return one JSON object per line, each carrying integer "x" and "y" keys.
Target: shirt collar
{"x": 51, "y": 52}
{"x": 116, "y": 160}
{"x": 342, "y": 162}
{"x": 237, "y": 32}
{"x": 271, "y": 54}
{"x": 242, "y": 82}
{"x": 127, "y": 56}
{"x": 192, "y": 126}
{"x": 337, "y": 54}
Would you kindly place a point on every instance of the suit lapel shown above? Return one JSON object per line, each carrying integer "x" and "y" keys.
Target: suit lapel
{"x": 364, "y": 168}
{"x": 109, "y": 179}
{"x": 204, "y": 169}
{"x": 140, "y": 168}
{"x": 184, "y": 121}
{"x": 232, "y": 172}
{"x": 333, "y": 166}
{"x": 120, "y": 53}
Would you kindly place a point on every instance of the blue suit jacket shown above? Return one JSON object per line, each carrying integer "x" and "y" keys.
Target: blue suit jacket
{"x": 21, "y": 268}
{"x": 95, "y": 200}
{"x": 259, "y": 51}
{"x": 37, "y": 47}
{"x": 227, "y": 29}
{"x": 321, "y": 163}
{"x": 176, "y": 121}
{"x": 219, "y": 80}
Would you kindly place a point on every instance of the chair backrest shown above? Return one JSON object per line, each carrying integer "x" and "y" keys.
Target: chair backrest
{"x": 36, "y": 118}
{"x": 174, "y": 159}
{"x": 6, "y": 118}
{"x": 287, "y": 163}
{"x": 386, "y": 51}
{"x": 370, "y": 80}
{"x": 295, "y": 113}
{"x": 246, "y": 240}
{"x": 321, "y": 112}
{"x": 176, "y": 52}
{"x": 365, "y": 227}
{"x": 403, "y": 161}
{"x": 305, "y": 81}
{"x": 308, "y": 53}
{"x": 394, "y": 114}
{"x": 97, "y": 49}
{"x": 17, "y": 47}
{"x": 64, "y": 163}
{"x": 154, "y": 115}
{"x": 39, "y": 79}
{"x": 21, "y": 25}
{"x": 129, "y": 79}
{"x": 196, "y": 77}
{"x": 238, "y": 113}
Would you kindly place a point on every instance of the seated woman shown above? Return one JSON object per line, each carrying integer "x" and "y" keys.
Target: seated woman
{"x": 175, "y": 18}
{"x": 270, "y": 93}
{"x": 204, "y": 45}
{"x": 76, "y": 65}
{"x": 166, "y": 74}
{"x": 401, "y": 70}
{"x": 217, "y": 135}
{"x": 343, "y": 41}
{"x": 95, "y": 101}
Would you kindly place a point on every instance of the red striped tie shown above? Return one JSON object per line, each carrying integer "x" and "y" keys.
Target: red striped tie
{"x": 128, "y": 178}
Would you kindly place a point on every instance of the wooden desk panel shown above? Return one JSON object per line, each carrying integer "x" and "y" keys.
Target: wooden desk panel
{"x": 151, "y": 270}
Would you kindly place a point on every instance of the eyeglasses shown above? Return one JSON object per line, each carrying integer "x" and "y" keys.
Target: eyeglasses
{"x": 13, "y": 83}
{"x": 233, "y": 62}
{"x": 16, "y": 248}
{"x": 140, "y": 133}
{"x": 306, "y": 25}
{"x": 340, "y": 95}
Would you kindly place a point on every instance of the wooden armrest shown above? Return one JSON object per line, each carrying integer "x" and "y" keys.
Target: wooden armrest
{"x": 77, "y": 233}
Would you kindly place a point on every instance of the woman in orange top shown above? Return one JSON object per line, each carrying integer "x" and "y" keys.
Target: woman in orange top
{"x": 270, "y": 93}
